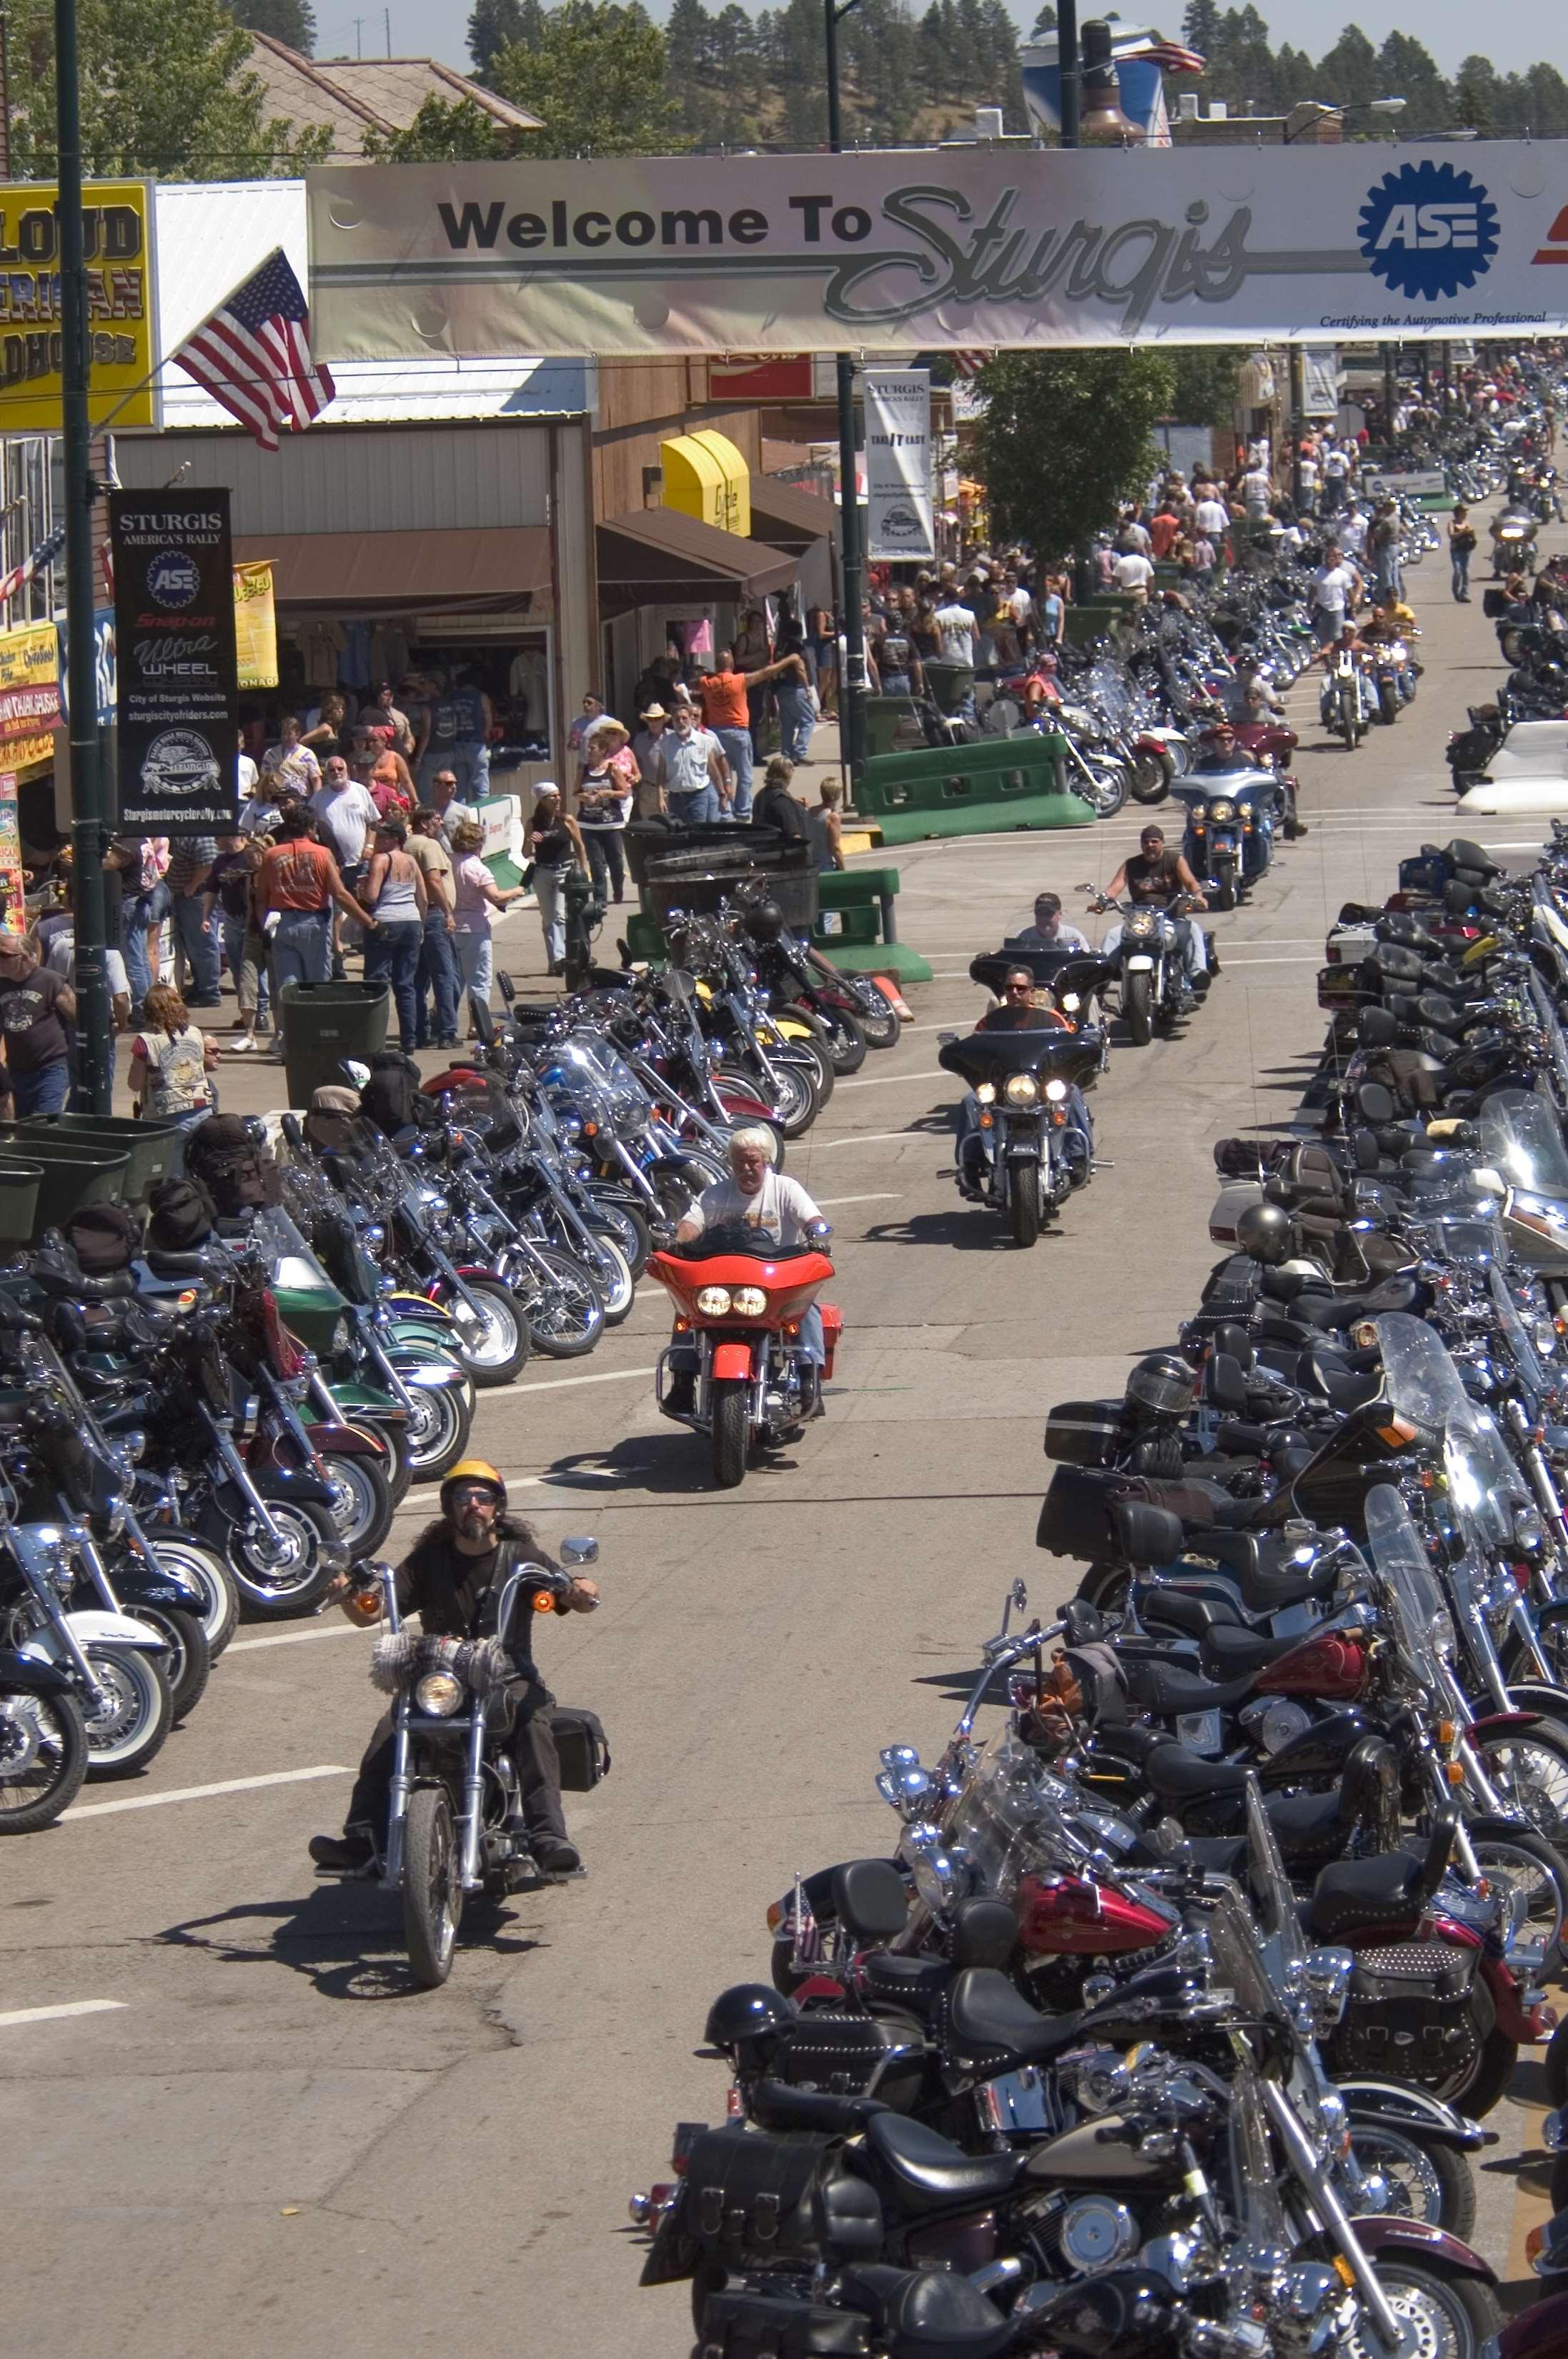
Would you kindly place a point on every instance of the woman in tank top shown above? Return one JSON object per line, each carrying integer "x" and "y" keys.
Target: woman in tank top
{"x": 394, "y": 893}
{"x": 170, "y": 1057}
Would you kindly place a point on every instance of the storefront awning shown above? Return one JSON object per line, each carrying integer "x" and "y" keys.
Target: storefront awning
{"x": 656, "y": 557}
{"x": 786, "y": 517}
{"x": 381, "y": 571}
{"x": 706, "y": 477}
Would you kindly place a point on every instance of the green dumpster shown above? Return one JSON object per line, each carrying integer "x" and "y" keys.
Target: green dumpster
{"x": 156, "y": 1146}
{"x": 73, "y": 1176}
{"x": 949, "y": 685}
{"x": 322, "y": 1024}
{"x": 19, "y": 1186}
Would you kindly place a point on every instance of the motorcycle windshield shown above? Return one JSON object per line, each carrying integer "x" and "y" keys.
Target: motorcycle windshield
{"x": 1516, "y": 1335}
{"x": 1520, "y": 1138}
{"x": 1256, "y": 2187}
{"x": 1408, "y": 1596}
{"x": 993, "y": 1056}
{"x": 290, "y": 1262}
{"x": 1278, "y": 1917}
{"x": 1007, "y": 1819}
{"x": 1484, "y": 1487}
{"x": 1419, "y": 1379}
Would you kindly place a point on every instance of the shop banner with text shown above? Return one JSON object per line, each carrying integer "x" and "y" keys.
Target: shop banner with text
{"x": 29, "y": 689}
{"x": 256, "y": 625}
{"x": 122, "y": 308}
{"x": 174, "y": 643}
{"x": 905, "y": 252}
{"x": 898, "y": 463}
{"x": 1320, "y": 381}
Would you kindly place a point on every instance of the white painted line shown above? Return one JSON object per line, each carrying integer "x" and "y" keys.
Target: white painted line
{"x": 878, "y": 1196}
{"x": 289, "y": 1638}
{"x": 1232, "y": 963}
{"x": 876, "y": 1137}
{"x": 53, "y": 2014}
{"x": 562, "y": 1384}
{"x": 201, "y": 1793}
{"x": 887, "y": 1081}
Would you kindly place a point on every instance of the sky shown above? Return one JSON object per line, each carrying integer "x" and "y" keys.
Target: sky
{"x": 1513, "y": 37}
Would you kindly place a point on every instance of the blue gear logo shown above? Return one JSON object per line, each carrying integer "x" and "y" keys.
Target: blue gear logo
{"x": 1428, "y": 229}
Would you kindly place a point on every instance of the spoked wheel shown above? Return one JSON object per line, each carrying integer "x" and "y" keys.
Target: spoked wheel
{"x": 278, "y": 1579}
{"x": 628, "y": 1227}
{"x": 363, "y": 1508}
{"x": 611, "y": 1272}
{"x": 793, "y": 1097}
{"x": 438, "y": 1430}
{"x": 1441, "y": 2317}
{"x": 846, "y": 1041}
{"x": 43, "y": 1759}
{"x": 1532, "y": 1876}
{"x": 432, "y": 1893}
{"x": 188, "y": 1666}
{"x": 133, "y": 1714}
{"x": 1428, "y": 2183}
{"x": 489, "y": 1334}
{"x": 563, "y": 1307}
{"x": 1106, "y": 791}
{"x": 729, "y": 1432}
{"x": 814, "y": 1052}
{"x": 880, "y": 1019}
{"x": 1150, "y": 780}
{"x": 1528, "y": 1766}
{"x": 219, "y": 1607}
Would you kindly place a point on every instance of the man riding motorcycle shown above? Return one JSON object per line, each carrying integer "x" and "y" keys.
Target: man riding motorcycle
{"x": 1152, "y": 877}
{"x": 1016, "y": 1012}
{"x": 768, "y": 1211}
{"x": 1221, "y": 753}
{"x": 451, "y": 1577}
{"x": 1050, "y": 932}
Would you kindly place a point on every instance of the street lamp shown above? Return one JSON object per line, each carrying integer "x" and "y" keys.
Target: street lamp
{"x": 1322, "y": 109}
{"x": 852, "y": 687}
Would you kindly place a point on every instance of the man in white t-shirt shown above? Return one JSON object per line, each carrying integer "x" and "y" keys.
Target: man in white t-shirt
{"x": 245, "y": 773}
{"x": 1134, "y": 573}
{"x": 1337, "y": 465}
{"x": 1336, "y": 592}
{"x": 348, "y": 815}
{"x": 1212, "y": 519}
{"x": 957, "y": 628}
{"x": 1134, "y": 536}
{"x": 1306, "y": 478}
{"x": 1352, "y": 531}
{"x": 1255, "y": 490}
{"x": 777, "y": 1212}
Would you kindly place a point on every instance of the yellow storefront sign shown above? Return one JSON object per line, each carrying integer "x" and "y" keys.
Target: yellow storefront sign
{"x": 256, "y": 625}
{"x": 117, "y": 220}
{"x": 706, "y": 477}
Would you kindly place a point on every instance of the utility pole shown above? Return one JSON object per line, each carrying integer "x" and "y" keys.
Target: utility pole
{"x": 87, "y": 833}
{"x": 1298, "y": 423}
{"x": 1069, "y": 76}
{"x": 852, "y": 688}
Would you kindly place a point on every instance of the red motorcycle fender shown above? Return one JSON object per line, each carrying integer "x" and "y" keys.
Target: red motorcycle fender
{"x": 1496, "y": 1721}
{"x": 347, "y": 1442}
{"x": 819, "y": 1986}
{"x": 1529, "y": 2026}
{"x": 731, "y": 1361}
{"x": 1442, "y": 2253}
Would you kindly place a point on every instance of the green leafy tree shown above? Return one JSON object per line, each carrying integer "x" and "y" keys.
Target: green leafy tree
{"x": 1205, "y": 381}
{"x": 1478, "y": 96}
{"x": 1408, "y": 71}
{"x": 461, "y": 133}
{"x": 165, "y": 89}
{"x": 1349, "y": 75}
{"x": 1045, "y": 22}
{"x": 1065, "y": 437}
{"x": 1200, "y": 26}
{"x": 495, "y": 25}
{"x": 596, "y": 78}
{"x": 1544, "y": 94}
{"x": 293, "y": 22}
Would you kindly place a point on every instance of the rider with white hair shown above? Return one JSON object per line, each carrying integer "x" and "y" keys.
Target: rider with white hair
{"x": 777, "y": 1215}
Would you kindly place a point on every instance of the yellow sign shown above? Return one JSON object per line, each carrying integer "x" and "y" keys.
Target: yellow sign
{"x": 117, "y": 220}
{"x": 256, "y": 625}
{"x": 706, "y": 477}
{"x": 29, "y": 684}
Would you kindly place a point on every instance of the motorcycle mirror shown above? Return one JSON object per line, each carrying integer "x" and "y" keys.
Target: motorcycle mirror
{"x": 583, "y": 1550}
{"x": 945, "y": 1039}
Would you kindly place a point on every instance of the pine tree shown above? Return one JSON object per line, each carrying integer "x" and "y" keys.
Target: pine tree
{"x": 1200, "y": 26}
{"x": 293, "y": 22}
{"x": 1349, "y": 75}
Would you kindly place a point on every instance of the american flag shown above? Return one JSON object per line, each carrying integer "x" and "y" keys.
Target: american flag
{"x": 45, "y": 554}
{"x": 970, "y": 363}
{"x": 254, "y": 355}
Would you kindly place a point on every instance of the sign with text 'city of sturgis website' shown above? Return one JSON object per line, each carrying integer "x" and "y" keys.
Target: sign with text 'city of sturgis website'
{"x": 915, "y": 251}
{"x": 174, "y": 641}
{"x": 117, "y": 232}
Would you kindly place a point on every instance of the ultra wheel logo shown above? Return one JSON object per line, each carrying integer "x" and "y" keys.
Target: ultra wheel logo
{"x": 1428, "y": 229}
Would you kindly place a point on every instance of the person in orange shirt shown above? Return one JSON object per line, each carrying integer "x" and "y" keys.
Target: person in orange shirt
{"x": 727, "y": 713}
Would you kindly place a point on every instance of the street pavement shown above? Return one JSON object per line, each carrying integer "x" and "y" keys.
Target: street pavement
{"x": 259, "y": 2140}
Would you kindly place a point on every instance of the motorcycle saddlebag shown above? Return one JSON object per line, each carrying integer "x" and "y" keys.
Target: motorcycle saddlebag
{"x": 762, "y": 2326}
{"x": 751, "y": 2199}
{"x": 582, "y": 1746}
{"x": 1083, "y": 1432}
{"x": 1076, "y": 1515}
{"x": 832, "y": 1330}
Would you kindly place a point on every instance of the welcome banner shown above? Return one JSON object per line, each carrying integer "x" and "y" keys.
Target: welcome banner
{"x": 922, "y": 250}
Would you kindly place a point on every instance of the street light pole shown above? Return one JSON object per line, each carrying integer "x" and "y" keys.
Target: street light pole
{"x": 851, "y": 564}
{"x": 86, "y": 808}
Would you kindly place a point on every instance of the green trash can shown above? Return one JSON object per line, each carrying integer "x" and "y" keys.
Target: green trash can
{"x": 950, "y": 685}
{"x": 73, "y": 1176}
{"x": 19, "y": 1186}
{"x": 322, "y": 1024}
{"x": 156, "y": 1146}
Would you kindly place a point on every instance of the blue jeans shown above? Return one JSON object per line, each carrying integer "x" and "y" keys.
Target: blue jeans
{"x": 438, "y": 974}
{"x": 1460, "y": 560}
{"x": 198, "y": 938}
{"x": 42, "y": 1092}
{"x": 392, "y": 956}
{"x": 549, "y": 891}
{"x": 691, "y": 810}
{"x": 301, "y": 950}
{"x": 469, "y": 764}
{"x": 476, "y": 956}
{"x": 736, "y": 745}
{"x": 140, "y": 915}
{"x": 796, "y": 719}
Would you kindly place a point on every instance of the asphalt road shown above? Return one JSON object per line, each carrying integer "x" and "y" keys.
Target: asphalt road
{"x": 261, "y": 2140}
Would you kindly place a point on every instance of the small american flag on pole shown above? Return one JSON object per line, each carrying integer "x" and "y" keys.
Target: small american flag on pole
{"x": 254, "y": 355}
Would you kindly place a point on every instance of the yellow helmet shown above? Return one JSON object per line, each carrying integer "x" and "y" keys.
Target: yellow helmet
{"x": 473, "y": 1470}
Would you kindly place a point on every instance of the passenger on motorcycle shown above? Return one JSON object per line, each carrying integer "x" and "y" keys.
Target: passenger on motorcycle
{"x": 451, "y": 1577}
{"x": 1154, "y": 877}
{"x": 1017, "y": 1011}
{"x": 772, "y": 1211}
{"x": 1049, "y": 931}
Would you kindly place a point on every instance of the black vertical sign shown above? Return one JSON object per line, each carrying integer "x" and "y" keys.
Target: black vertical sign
{"x": 177, "y": 695}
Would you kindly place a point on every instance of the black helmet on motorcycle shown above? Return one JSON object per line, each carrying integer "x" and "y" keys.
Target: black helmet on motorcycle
{"x": 1267, "y": 1232}
{"x": 1162, "y": 1384}
{"x": 746, "y": 2011}
{"x": 764, "y": 921}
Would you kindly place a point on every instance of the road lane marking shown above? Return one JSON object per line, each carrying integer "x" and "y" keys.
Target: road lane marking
{"x": 287, "y": 1638}
{"x": 202, "y": 1793}
{"x": 561, "y": 1384}
{"x": 73, "y": 2006}
{"x": 877, "y": 1196}
{"x": 885, "y": 1081}
{"x": 876, "y": 1137}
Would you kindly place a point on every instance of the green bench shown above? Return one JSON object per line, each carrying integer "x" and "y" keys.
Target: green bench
{"x": 858, "y": 928}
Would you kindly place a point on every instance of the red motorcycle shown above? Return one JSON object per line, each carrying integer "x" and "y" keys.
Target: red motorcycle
{"x": 745, "y": 1313}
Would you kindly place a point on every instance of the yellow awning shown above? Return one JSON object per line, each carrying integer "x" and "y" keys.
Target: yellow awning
{"x": 706, "y": 477}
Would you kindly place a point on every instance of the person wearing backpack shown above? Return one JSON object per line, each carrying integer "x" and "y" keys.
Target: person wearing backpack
{"x": 170, "y": 1057}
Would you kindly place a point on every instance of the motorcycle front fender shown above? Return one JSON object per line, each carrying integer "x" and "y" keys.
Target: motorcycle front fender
{"x": 135, "y": 1585}
{"x": 348, "y": 1441}
{"x": 24, "y": 1674}
{"x": 1446, "y": 2254}
{"x": 1140, "y": 964}
{"x": 429, "y": 1376}
{"x": 1392, "y": 2105}
{"x": 91, "y": 1626}
{"x": 732, "y": 1361}
{"x": 272, "y": 1483}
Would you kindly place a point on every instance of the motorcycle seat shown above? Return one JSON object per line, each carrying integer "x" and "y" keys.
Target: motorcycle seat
{"x": 1177, "y": 1776}
{"x": 1341, "y": 1310}
{"x": 1233, "y": 1653}
{"x": 1187, "y": 1611}
{"x": 927, "y": 2171}
{"x": 775, "y": 2105}
{"x": 72, "y": 1286}
{"x": 985, "y": 2016}
{"x": 927, "y": 2313}
{"x": 1271, "y": 1590}
{"x": 870, "y": 1899}
{"x": 1166, "y": 1689}
{"x": 1354, "y": 1893}
{"x": 913, "y": 1983}
{"x": 202, "y": 1262}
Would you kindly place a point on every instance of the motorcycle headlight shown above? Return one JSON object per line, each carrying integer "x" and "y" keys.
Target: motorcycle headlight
{"x": 749, "y": 1302}
{"x": 713, "y": 1301}
{"x": 1071, "y": 1003}
{"x": 1222, "y": 813}
{"x": 1056, "y": 1091}
{"x": 342, "y": 1334}
{"x": 569, "y": 1126}
{"x": 1528, "y": 1533}
{"x": 1141, "y": 921}
{"x": 986, "y": 1094}
{"x": 1020, "y": 1089}
{"x": 438, "y": 1692}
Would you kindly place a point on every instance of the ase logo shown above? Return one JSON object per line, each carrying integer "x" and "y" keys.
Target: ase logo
{"x": 1428, "y": 229}
{"x": 173, "y": 578}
